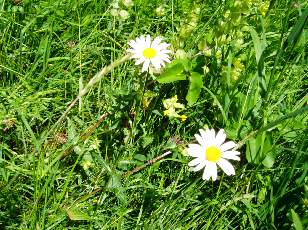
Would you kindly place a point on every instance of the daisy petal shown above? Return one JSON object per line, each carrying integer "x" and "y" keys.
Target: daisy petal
{"x": 199, "y": 139}
{"x": 130, "y": 50}
{"x": 212, "y": 167}
{"x": 194, "y": 150}
{"x": 206, "y": 174}
{"x": 204, "y": 134}
{"x": 148, "y": 41}
{"x": 231, "y": 155}
{"x": 162, "y": 46}
{"x": 194, "y": 162}
{"x": 138, "y": 62}
{"x": 166, "y": 59}
{"x": 199, "y": 167}
{"x": 208, "y": 136}
{"x": 211, "y": 134}
{"x": 165, "y": 51}
{"x": 156, "y": 41}
{"x": 226, "y": 166}
{"x": 145, "y": 66}
{"x": 228, "y": 145}
{"x": 141, "y": 39}
{"x": 220, "y": 137}
{"x": 156, "y": 64}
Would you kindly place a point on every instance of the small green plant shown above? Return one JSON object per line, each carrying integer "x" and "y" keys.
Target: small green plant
{"x": 101, "y": 103}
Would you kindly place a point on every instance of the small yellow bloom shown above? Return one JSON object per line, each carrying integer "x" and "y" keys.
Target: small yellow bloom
{"x": 160, "y": 11}
{"x": 86, "y": 165}
{"x": 238, "y": 64}
{"x": 264, "y": 8}
{"x": 171, "y": 113}
{"x": 172, "y": 103}
{"x": 167, "y": 112}
{"x": 183, "y": 117}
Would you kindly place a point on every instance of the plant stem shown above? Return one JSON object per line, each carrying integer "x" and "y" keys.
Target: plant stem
{"x": 149, "y": 162}
{"x": 86, "y": 89}
{"x": 86, "y": 134}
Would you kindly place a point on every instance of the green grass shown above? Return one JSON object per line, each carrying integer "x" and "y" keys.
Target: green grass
{"x": 255, "y": 88}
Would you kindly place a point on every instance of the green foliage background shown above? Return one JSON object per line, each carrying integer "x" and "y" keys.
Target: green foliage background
{"x": 243, "y": 67}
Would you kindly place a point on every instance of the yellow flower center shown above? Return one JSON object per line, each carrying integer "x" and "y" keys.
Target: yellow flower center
{"x": 149, "y": 53}
{"x": 212, "y": 153}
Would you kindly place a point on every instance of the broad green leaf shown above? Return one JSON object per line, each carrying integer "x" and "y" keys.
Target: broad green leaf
{"x": 75, "y": 214}
{"x": 195, "y": 87}
{"x": 252, "y": 150}
{"x": 267, "y": 154}
{"x": 259, "y": 43}
{"x": 296, "y": 221}
{"x": 171, "y": 78}
{"x": 174, "y": 72}
{"x": 140, "y": 157}
{"x": 268, "y": 161}
{"x": 259, "y": 150}
{"x": 298, "y": 28}
{"x": 261, "y": 195}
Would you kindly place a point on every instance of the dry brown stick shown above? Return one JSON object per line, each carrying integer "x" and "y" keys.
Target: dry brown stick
{"x": 149, "y": 162}
{"x": 86, "y": 134}
{"x": 91, "y": 129}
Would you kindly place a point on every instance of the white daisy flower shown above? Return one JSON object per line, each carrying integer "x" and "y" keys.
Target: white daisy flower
{"x": 148, "y": 52}
{"x": 212, "y": 151}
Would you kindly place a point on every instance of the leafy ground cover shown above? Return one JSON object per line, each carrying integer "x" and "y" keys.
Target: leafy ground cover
{"x": 240, "y": 66}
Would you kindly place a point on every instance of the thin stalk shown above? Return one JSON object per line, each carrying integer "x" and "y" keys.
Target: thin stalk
{"x": 149, "y": 162}
{"x": 98, "y": 77}
{"x": 86, "y": 134}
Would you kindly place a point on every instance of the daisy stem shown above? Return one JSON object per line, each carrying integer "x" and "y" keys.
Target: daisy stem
{"x": 98, "y": 77}
{"x": 149, "y": 162}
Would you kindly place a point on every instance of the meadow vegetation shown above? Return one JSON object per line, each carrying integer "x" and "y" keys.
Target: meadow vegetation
{"x": 236, "y": 65}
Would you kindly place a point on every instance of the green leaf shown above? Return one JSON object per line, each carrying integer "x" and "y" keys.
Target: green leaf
{"x": 174, "y": 72}
{"x": 114, "y": 185}
{"x": 71, "y": 130}
{"x": 195, "y": 87}
{"x": 259, "y": 150}
{"x": 171, "y": 78}
{"x": 298, "y": 28}
{"x": 252, "y": 150}
{"x": 296, "y": 221}
{"x": 260, "y": 44}
{"x": 34, "y": 139}
{"x": 268, "y": 161}
{"x": 75, "y": 214}
{"x": 140, "y": 157}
